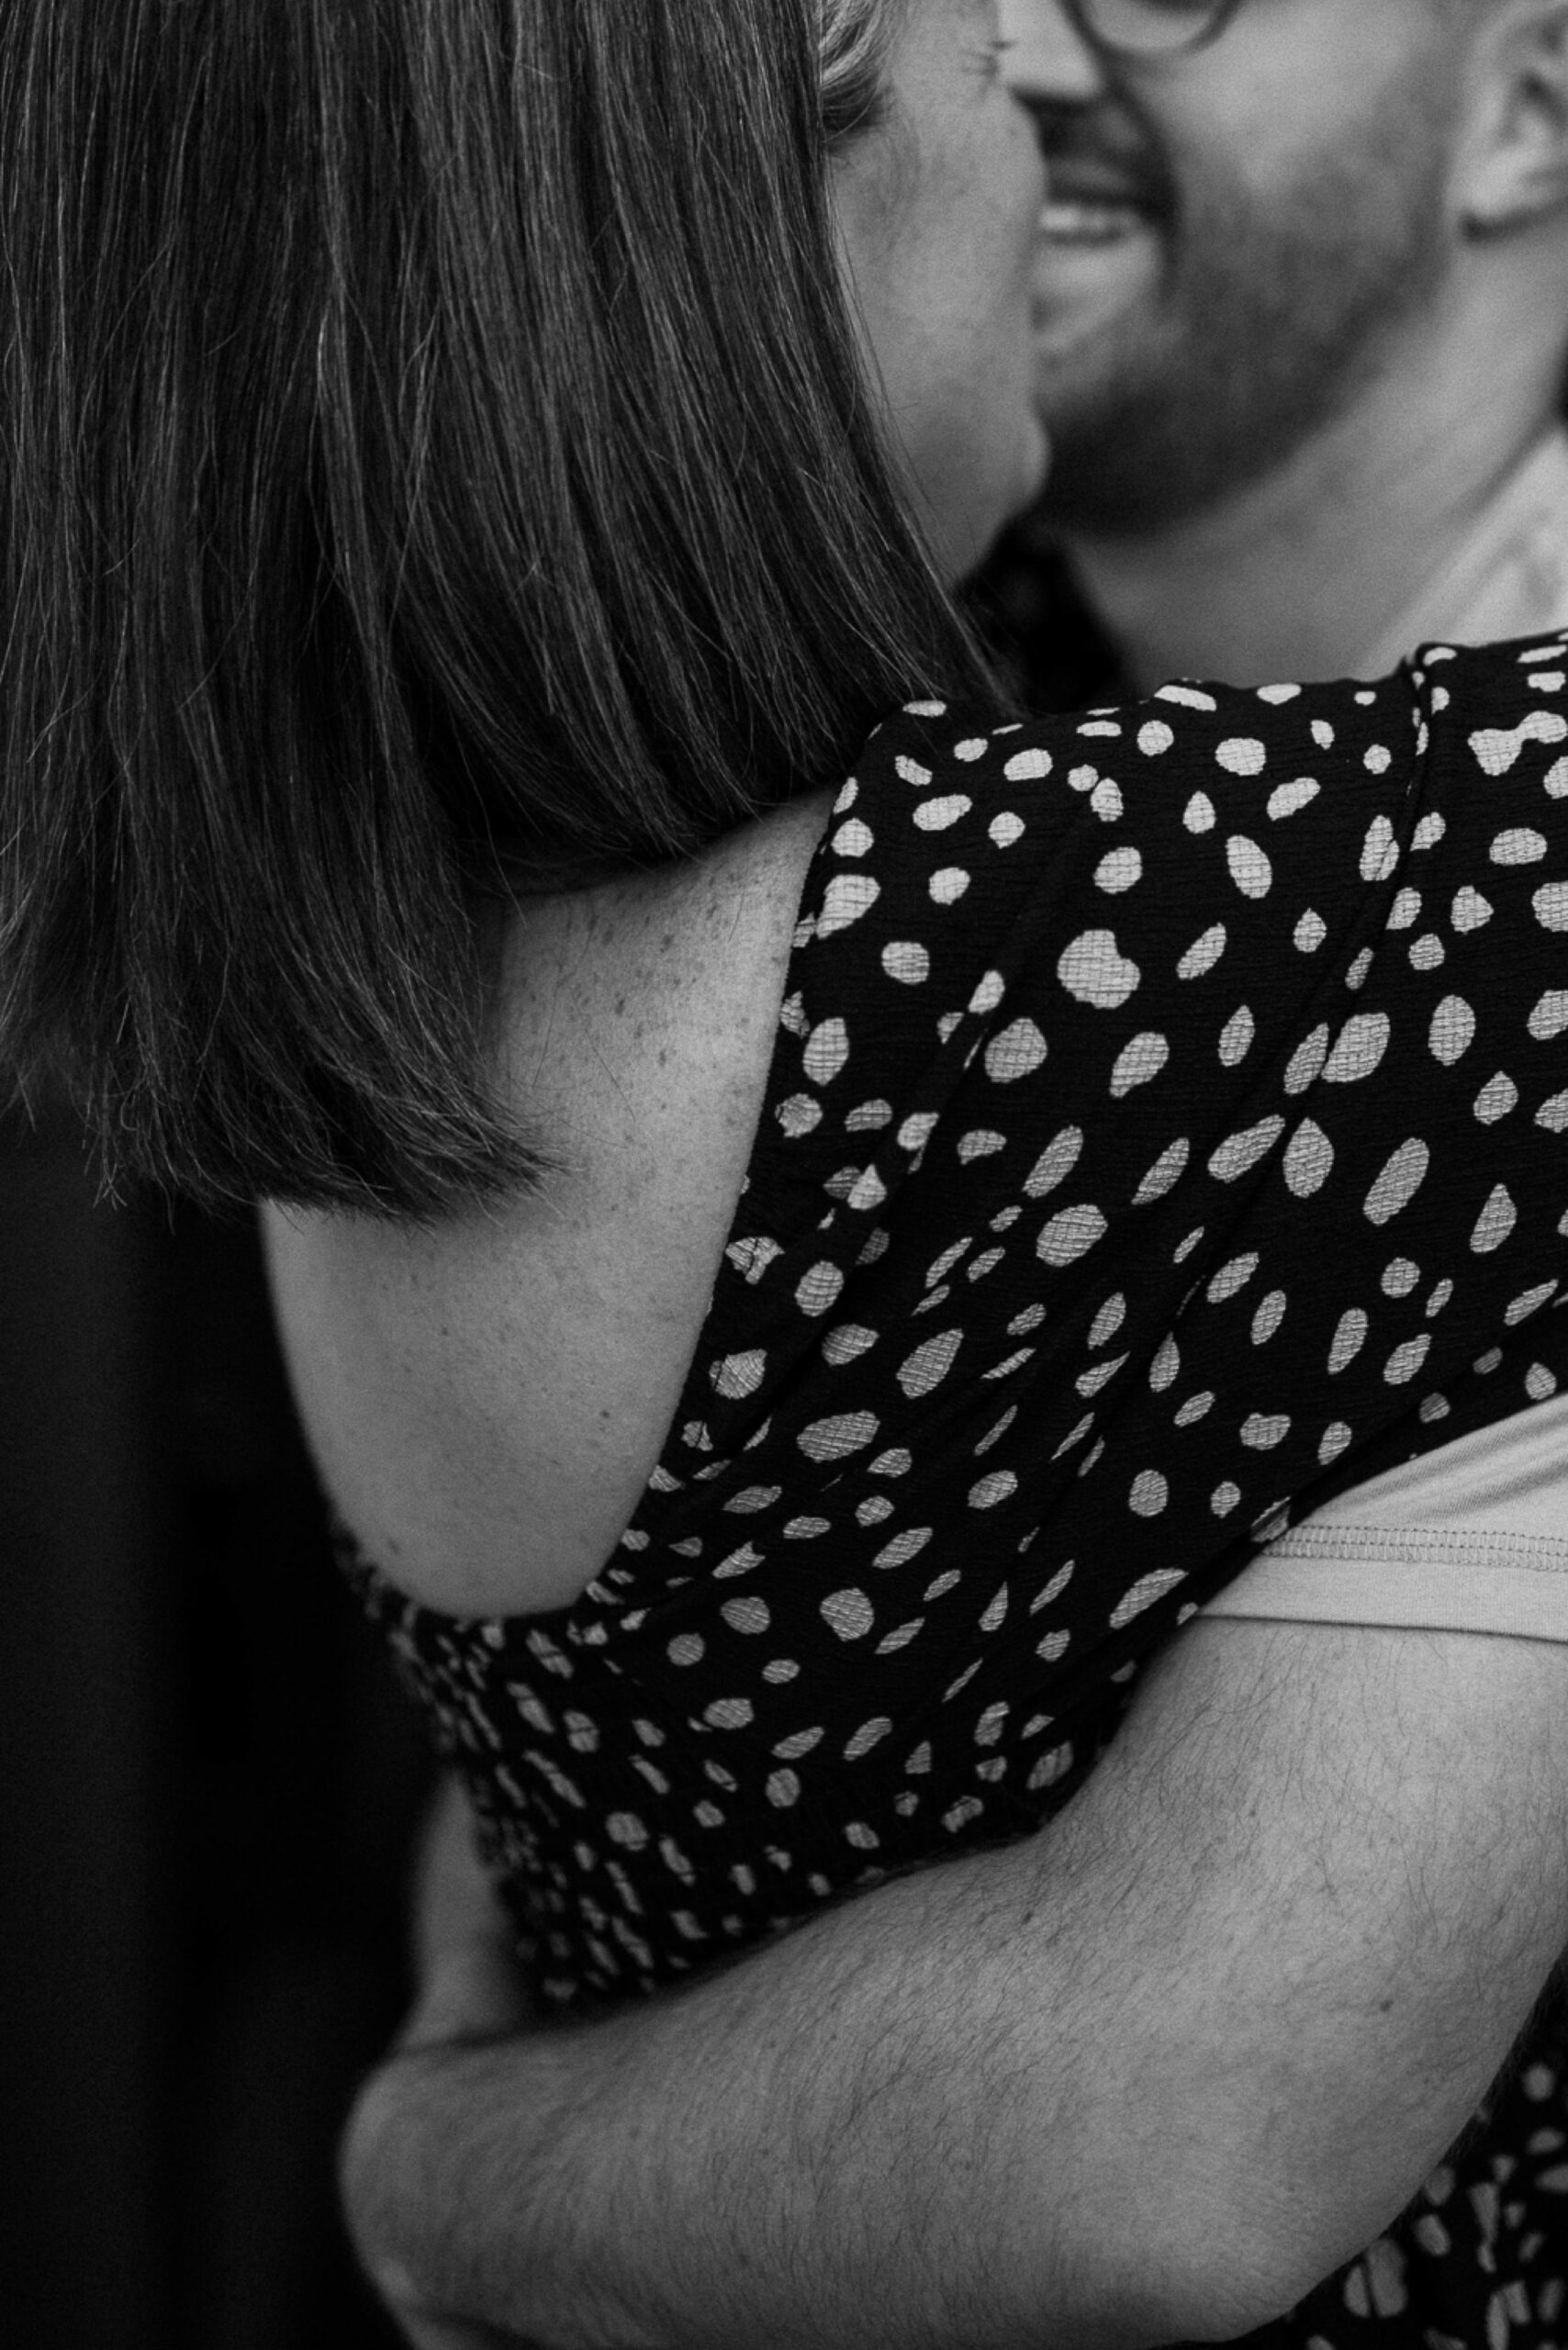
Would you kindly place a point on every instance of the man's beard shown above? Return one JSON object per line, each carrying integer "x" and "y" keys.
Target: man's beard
{"x": 1272, "y": 317}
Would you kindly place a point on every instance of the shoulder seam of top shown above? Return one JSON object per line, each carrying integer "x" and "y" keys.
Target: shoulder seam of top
{"x": 1423, "y": 1545}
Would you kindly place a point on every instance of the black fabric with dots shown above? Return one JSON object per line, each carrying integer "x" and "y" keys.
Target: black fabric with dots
{"x": 1168, "y": 1127}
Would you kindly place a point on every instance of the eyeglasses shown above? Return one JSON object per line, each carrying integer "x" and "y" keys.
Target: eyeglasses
{"x": 1151, "y": 28}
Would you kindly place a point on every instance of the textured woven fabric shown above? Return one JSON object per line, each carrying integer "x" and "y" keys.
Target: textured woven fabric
{"x": 1168, "y": 1127}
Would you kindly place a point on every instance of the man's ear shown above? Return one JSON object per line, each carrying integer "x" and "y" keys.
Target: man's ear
{"x": 1514, "y": 169}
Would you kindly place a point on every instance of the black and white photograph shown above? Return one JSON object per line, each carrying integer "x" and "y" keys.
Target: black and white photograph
{"x": 784, "y": 1174}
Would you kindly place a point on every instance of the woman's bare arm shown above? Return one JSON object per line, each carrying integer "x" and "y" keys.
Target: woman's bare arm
{"x": 1147, "y": 2075}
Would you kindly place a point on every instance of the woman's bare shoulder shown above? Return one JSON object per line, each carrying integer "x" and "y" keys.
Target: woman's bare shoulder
{"x": 487, "y": 1395}
{"x": 636, "y": 1015}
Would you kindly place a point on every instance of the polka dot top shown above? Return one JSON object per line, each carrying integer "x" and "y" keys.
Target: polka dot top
{"x": 1167, "y": 1128}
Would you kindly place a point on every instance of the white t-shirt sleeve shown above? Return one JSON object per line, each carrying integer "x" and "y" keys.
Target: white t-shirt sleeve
{"x": 1471, "y": 1538}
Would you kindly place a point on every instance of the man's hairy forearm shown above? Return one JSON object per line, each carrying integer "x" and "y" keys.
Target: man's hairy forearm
{"x": 834, "y": 2141}
{"x": 944, "y": 2112}
{"x": 1145, "y": 2076}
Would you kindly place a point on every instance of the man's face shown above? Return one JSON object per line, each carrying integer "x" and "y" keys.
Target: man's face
{"x": 1233, "y": 242}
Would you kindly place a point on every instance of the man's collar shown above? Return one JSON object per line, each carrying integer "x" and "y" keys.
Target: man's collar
{"x": 1510, "y": 577}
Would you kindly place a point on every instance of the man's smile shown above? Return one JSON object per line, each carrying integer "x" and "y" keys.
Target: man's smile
{"x": 1104, "y": 186}
{"x": 1080, "y": 212}
{"x": 1102, "y": 225}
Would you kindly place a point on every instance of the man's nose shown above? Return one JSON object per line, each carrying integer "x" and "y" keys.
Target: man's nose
{"x": 1049, "y": 58}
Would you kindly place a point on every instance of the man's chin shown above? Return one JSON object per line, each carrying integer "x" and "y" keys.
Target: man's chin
{"x": 1124, "y": 462}
{"x": 1090, "y": 288}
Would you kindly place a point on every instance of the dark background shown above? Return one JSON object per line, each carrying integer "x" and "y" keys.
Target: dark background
{"x": 209, "y": 1781}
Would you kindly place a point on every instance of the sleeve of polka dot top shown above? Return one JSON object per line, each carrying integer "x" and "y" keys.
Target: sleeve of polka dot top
{"x": 1224, "y": 1042}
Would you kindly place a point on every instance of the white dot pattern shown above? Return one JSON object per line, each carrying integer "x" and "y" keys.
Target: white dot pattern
{"x": 1213, "y": 1199}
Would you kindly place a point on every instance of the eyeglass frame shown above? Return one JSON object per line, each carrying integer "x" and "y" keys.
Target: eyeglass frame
{"x": 1080, "y": 13}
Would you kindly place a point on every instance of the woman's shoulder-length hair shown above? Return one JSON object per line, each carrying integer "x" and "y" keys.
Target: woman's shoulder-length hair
{"x": 435, "y": 469}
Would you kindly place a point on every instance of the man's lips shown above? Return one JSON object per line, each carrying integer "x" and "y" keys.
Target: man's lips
{"x": 1086, "y": 205}
{"x": 1102, "y": 182}
{"x": 1091, "y": 224}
